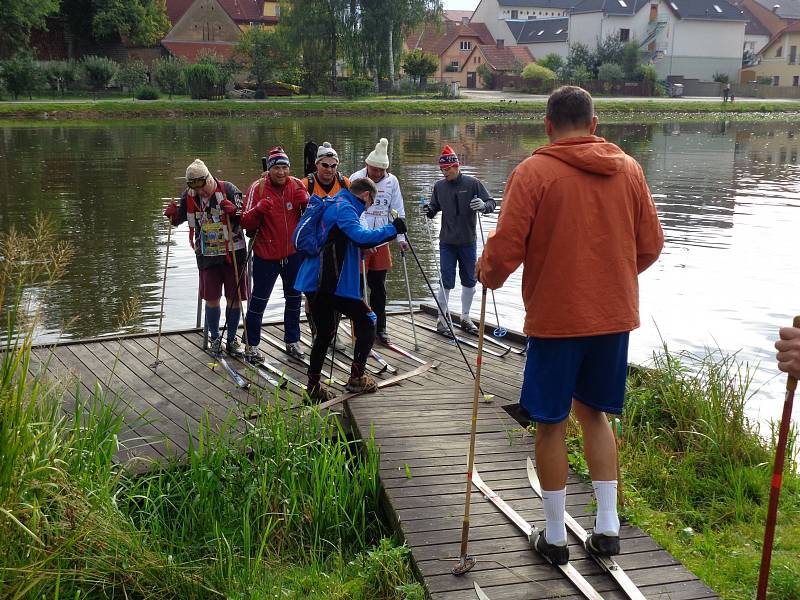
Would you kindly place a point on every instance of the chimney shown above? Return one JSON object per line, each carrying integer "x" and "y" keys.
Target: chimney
{"x": 500, "y": 43}
{"x": 775, "y": 8}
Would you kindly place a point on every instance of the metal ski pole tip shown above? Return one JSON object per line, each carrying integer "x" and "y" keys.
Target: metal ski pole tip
{"x": 464, "y": 565}
{"x": 154, "y": 366}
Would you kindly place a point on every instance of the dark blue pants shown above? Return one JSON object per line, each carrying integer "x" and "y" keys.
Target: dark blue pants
{"x": 265, "y": 274}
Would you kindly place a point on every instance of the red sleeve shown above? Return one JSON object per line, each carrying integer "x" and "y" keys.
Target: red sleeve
{"x": 251, "y": 218}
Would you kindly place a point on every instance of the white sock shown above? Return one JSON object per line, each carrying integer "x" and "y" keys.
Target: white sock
{"x": 555, "y": 502}
{"x": 607, "y": 520}
{"x": 444, "y": 300}
{"x": 467, "y": 294}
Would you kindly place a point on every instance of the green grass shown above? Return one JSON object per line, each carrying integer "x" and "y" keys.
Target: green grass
{"x": 278, "y": 505}
{"x": 104, "y": 109}
{"x": 697, "y": 473}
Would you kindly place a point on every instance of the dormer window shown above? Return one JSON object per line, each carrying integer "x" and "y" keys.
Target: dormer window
{"x": 465, "y": 45}
{"x": 622, "y": 3}
{"x": 717, "y": 8}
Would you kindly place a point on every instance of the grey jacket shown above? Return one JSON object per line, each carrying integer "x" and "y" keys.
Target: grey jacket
{"x": 453, "y": 198}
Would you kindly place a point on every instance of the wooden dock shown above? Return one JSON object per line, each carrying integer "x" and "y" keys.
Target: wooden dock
{"x": 422, "y": 428}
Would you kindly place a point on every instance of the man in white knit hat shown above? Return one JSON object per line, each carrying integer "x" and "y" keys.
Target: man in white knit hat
{"x": 378, "y": 215}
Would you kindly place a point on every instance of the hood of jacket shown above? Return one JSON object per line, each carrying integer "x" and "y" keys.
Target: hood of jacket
{"x": 588, "y": 153}
{"x": 358, "y": 205}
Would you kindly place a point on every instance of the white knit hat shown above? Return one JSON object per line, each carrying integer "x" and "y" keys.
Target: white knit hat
{"x": 326, "y": 151}
{"x": 196, "y": 170}
{"x": 379, "y": 158}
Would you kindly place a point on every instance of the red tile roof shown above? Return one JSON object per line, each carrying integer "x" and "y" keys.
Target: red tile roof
{"x": 190, "y": 50}
{"x": 457, "y": 15}
{"x": 238, "y": 10}
{"x": 436, "y": 40}
{"x": 507, "y": 57}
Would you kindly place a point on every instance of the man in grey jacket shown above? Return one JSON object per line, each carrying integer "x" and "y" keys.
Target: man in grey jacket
{"x": 460, "y": 197}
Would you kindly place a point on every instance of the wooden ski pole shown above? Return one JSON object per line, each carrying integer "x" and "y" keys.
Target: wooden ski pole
{"x": 616, "y": 427}
{"x": 466, "y": 562}
{"x": 777, "y": 480}
{"x": 163, "y": 293}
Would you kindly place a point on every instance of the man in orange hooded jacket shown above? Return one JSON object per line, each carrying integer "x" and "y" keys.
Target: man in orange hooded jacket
{"x": 579, "y": 217}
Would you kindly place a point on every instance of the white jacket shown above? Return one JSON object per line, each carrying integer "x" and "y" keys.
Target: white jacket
{"x": 387, "y": 199}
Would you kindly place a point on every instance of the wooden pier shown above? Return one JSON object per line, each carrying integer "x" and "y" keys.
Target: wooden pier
{"x": 422, "y": 429}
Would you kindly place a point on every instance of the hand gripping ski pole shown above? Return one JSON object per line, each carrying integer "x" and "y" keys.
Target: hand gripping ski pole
{"x": 777, "y": 480}
{"x": 498, "y": 331}
{"x": 466, "y": 562}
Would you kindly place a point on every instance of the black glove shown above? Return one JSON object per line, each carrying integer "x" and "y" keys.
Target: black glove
{"x": 428, "y": 211}
{"x": 400, "y": 225}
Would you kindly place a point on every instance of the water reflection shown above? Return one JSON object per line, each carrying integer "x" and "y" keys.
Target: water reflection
{"x": 727, "y": 193}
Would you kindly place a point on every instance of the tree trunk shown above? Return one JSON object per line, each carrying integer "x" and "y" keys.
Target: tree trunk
{"x": 391, "y": 56}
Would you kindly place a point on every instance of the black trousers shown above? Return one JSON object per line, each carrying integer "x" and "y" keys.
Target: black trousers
{"x": 376, "y": 280}
{"x": 324, "y": 307}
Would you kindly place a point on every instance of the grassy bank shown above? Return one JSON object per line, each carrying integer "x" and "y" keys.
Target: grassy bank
{"x": 387, "y": 106}
{"x": 697, "y": 474}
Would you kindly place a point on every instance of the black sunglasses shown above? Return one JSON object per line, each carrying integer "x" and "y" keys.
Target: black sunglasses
{"x": 196, "y": 183}
{"x": 328, "y": 165}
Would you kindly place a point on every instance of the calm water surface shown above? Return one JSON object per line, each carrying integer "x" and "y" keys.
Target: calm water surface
{"x": 728, "y": 195}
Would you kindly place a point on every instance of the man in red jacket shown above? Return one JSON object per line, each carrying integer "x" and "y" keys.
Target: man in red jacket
{"x": 272, "y": 208}
{"x": 579, "y": 217}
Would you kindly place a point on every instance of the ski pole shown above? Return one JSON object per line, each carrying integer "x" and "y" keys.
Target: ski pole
{"x": 446, "y": 315}
{"x": 777, "y": 480}
{"x": 498, "y": 331}
{"x": 163, "y": 293}
{"x": 408, "y": 293}
{"x": 466, "y": 562}
{"x": 238, "y": 281}
{"x": 616, "y": 427}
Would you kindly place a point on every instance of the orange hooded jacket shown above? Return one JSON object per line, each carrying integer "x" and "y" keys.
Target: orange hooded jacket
{"x": 580, "y": 218}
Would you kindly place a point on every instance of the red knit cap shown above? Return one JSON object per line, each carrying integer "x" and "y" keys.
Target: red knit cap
{"x": 277, "y": 156}
{"x": 448, "y": 157}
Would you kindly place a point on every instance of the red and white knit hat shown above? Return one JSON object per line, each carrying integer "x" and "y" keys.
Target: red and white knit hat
{"x": 448, "y": 158}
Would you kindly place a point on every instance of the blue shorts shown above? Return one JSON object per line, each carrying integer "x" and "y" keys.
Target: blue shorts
{"x": 465, "y": 256}
{"x": 591, "y": 369}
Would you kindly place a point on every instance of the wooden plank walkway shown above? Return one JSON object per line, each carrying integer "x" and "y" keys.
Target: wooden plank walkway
{"x": 422, "y": 428}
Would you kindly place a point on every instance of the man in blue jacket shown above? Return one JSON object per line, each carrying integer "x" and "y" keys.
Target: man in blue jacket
{"x": 331, "y": 281}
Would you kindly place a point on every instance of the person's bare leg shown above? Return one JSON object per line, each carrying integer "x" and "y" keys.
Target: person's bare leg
{"x": 551, "y": 465}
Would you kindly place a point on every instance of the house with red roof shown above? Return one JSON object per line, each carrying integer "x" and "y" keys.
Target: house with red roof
{"x": 214, "y": 25}
{"x": 499, "y": 59}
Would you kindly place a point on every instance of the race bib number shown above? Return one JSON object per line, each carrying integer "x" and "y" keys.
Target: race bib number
{"x": 212, "y": 239}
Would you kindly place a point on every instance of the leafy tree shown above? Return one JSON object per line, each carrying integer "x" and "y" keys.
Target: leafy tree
{"x": 134, "y": 22}
{"x": 21, "y": 75}
{"x": 168, "y": 74}
{"x": 203, "y": 80}
{"x": 260, "y": 52}
{"x": 610, "y": 50}
{"x": 62, "y": 74}
{"x": 486, "y": 75}
{"x": 580, "y": 75}
{"x": 579, "y": 56}
{"x": 132, "y": 75}
{"x": 610, "y": 72}
{"x": 631, "y": 61}
{"x": 552, "y": 61}
{"x": 537, "y": 76}
{"x": 420, "y": 65}
{"x": 19, "y": 17}
{"x": 99, "y": 71}
{"x": 649, "y": 72}
{"x": 721, "y": 77}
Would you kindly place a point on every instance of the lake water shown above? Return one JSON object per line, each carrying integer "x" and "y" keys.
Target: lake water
{"x": 728, "y": 194}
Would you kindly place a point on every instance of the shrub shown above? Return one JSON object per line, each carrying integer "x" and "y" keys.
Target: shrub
{"x": 99, "y": 71}
{"x": 537, "y": 76}
{"x": 631, "y": 59}
{"x": 203, "y": 80}
{"x": 419, "y": 65}
{"x": 610, "y": 72}
{"x": 356, "y": 88}
{"x": 721, "y": 78}
{"x": 132, "y": 75}
{"x": 61, "y": 74}
{"x": 552, "y": 61}
{"x": 21, "y": 75}
{"x": 486, "y": 75}
{"x": 146, "y": 92}
{"x": 649, "y": 72}
{"x": 168, "y": 74}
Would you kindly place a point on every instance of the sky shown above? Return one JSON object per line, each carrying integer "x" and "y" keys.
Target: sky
{"x": 460, "y": 4}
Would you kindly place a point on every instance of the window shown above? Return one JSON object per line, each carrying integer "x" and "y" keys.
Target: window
{"x": 792, "y": 55}
{"x": 515, "y": 14}
{"x": 717, "y": 8}
{"x": 454, "y": 63}
{"x": 796, "y": 80}
{"x": 624, "y": 35}
{"x": 622, "y": 3}
{"x": 779, "y": 52}
{"x": 776, "y": 80}
{"x": 466, "y": 45}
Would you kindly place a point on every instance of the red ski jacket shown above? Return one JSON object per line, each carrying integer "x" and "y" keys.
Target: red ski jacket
{"x": 276, "y": 225}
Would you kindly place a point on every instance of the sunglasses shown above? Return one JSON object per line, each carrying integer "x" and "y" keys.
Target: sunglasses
{"x": 196, "y": 183}
{"x": 328, "y": 165}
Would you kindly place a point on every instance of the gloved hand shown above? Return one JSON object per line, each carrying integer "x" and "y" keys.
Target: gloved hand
{"x": 171, "y": 210}
{"x": 400, "y": 225}
{"x": 263, "y": 206}
{"x": 477, "y": 204}
{"x": 403, "y": 245}
{"x": 426, "y": 211}
{"x": 227, "y": 206}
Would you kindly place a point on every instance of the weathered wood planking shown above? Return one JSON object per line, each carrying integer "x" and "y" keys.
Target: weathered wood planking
{"x": 422, "y": 428}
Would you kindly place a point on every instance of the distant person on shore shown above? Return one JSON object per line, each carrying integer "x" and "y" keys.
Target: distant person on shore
{"x": 579, "y": 217}
{"x": 788, "y": 347}
{"x": 460, "y": 198}
{"x": 212, "y": 209}
{"x": 726, "y": 92}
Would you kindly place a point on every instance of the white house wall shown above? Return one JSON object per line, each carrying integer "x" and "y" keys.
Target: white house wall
{"x": 541, "y": 50}
{"x": 583, "y": 28}
{"x": 488, "y": 13}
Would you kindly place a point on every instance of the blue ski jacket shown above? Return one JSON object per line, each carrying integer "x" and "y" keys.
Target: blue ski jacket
{"x": 337, "y": 268}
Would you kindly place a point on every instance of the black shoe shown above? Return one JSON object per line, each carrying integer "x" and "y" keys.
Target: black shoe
{"x": 443, "y": 329}
{"x": 468, "y": 326}
{"x": 384, "y": 338}
{"x": 555, "y": 555}
{"x": 215, "y": 346}
{"x": 234, "y": 348}
{"x": 293, "y": 350}
{"x": 253, "y": 356}
{"x": 601, "y": 544}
